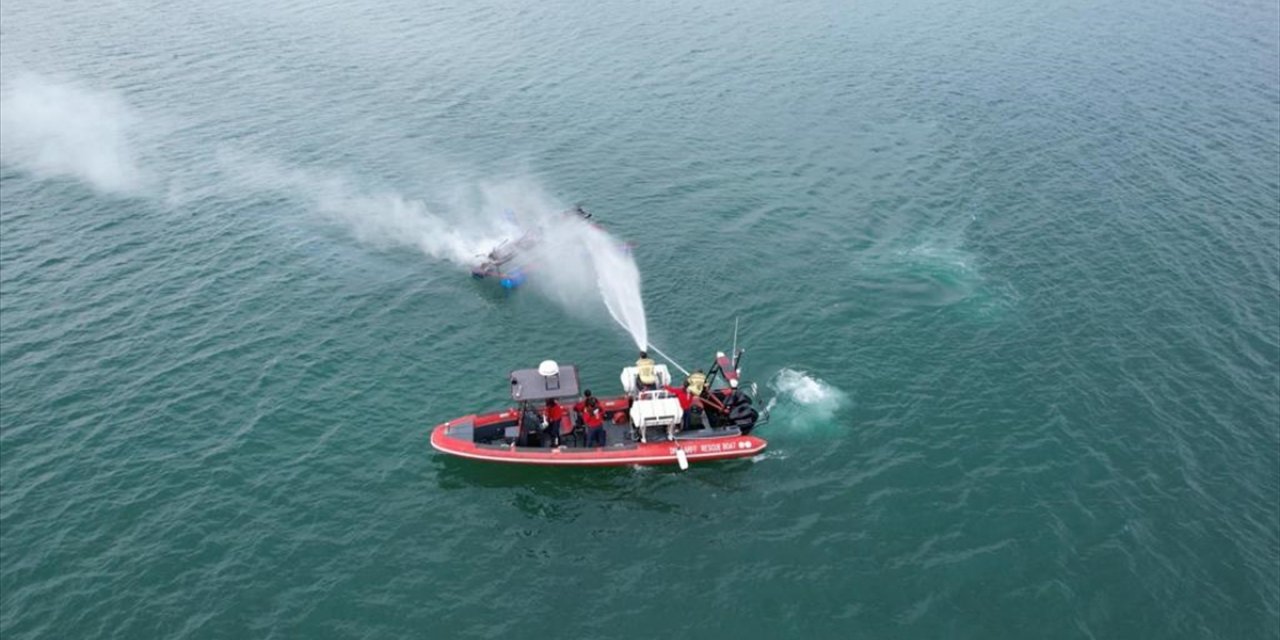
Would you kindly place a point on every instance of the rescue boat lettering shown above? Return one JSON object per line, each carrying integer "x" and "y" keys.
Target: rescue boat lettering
{"x": 716, "y": 447}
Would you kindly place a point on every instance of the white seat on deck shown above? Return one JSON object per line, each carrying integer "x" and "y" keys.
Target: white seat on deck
{"x": 656, "y": 409}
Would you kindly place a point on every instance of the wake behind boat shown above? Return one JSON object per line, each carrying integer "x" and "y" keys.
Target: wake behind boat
{"x": 555, "y": 422}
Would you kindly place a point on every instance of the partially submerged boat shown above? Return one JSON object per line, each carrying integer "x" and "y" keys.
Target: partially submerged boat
{"x": 505, "y": 262}
{"x": 644, "y": 426}
{"x": 512, "y": 261}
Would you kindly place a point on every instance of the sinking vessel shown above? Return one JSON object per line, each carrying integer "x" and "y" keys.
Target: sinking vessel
{"x": 512, "y": 261}
{"x": 643, "y": 426}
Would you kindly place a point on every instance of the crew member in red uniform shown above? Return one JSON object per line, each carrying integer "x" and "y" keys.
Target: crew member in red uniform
{"x": 554, "y": 422}
{"x": 581, "y": 409}
{"x": 690, "y": 397}
{"x": 593, "y": 418}
{"x": 686, "y": 401}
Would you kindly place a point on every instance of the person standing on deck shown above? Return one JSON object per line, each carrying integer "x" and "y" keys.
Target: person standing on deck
{"x": 696, "y": 385}
{"x": 553, "y": 422}
{"x": 580, "y": 407}
{"x": 686, "y": 402}
{"x": 583, "y": 408}
{"x": 593, "y": 418}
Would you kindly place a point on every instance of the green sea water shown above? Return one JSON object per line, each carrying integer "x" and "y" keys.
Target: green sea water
{"x": 1009, "y": 273}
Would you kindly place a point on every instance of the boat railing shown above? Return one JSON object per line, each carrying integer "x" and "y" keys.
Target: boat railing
{"x": 655, "y": 394}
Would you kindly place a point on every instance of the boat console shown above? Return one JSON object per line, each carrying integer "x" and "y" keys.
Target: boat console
{"x": 658, "y": 408}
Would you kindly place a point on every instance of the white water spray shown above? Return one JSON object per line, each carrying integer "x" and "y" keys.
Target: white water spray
{"x": 573, "y": 262}
{"x": 58, "y": 128}
{"x": 618, "y": 280}
{"x": 577, "y": 261}
{"x": 457, "y": 233}
{"x": 54, "y": 128}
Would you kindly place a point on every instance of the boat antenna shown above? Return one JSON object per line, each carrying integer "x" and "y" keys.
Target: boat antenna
{"x": 668, "y": 359}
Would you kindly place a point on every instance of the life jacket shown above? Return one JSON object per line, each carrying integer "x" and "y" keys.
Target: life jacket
{"x": 696, "y": 381}
{"x": 644, "y": 370}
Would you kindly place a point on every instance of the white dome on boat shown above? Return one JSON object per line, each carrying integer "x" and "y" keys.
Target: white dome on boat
{"x": 548, "y": 368}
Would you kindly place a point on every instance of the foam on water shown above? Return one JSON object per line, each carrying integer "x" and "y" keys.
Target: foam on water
{"x": 803, "y": 400}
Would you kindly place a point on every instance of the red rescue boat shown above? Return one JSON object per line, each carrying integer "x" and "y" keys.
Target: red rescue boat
{"x": 647, "y": 425}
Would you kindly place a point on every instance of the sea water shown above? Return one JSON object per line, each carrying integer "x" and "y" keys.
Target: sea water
{"x": 1032, "y": 245}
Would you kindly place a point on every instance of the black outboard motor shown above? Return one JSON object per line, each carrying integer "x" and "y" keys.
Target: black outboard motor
{"x": 743, "y": 416}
